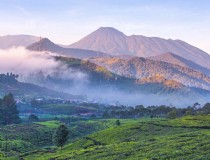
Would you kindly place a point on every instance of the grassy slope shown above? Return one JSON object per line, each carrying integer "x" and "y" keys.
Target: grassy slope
{"x": 50, "y": 124}
{"x": 26, "y": 137}
{"x": 144, "y": 139}
{"x": 82, "y": 128}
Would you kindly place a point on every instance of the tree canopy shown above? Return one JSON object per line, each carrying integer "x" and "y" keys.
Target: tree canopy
{"x": 61, "y": 136}
{"x": 8, "y": 110}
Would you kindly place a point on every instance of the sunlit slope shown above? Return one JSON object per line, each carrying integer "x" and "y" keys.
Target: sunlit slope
{"x": 184, "y": 138}
{"x": 143, "y": 67}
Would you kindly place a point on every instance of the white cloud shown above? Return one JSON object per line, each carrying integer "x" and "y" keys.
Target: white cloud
{"x": 20, "y": 60}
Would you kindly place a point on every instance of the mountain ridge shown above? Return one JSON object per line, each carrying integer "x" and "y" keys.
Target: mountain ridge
{"x": 157, "y": 87}
{"x": 139, "y": 67}
{"x": 140, "y": 46}
{"x": 46, "y": 45}
{"x": 175, "y": 59}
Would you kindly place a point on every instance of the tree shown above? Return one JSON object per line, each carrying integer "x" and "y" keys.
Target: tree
{"x": 118, "y": 122}
{"x": 206, "y": 108}
{"x": 151, "y": 116}
{"x": 33, "y": 118}
{"x": 172, "y": 114}
{"x": 8, "y": 110}
{"x": 196, "y": 105}
{"x": 106, "y": 115}
{"x": 61, "y": 136}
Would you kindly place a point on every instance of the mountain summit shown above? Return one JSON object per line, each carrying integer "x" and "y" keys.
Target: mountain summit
{"x": 46, "y": 45}
{"x": 104, "y": 39}
{"x": 109, "y": 30}
{"x": 114, "y": 42}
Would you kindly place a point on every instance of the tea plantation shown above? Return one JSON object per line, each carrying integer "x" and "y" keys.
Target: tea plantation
{"x": 153, "y": 139}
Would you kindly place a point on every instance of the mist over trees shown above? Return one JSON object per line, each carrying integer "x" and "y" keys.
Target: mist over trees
{"x": 8, "y": 78}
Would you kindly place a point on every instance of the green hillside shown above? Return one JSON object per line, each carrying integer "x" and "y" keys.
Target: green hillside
{"x": 19, "y": 138}
{"x": 10, "y": 84}
{"x": 94, "y": 71}
{"x": 184, "y": 138}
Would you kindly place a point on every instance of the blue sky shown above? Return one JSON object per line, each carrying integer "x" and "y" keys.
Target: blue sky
{"x": 66, "y": 21}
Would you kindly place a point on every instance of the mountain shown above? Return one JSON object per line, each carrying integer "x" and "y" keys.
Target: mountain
{"x": 105, "y": 39}
{"x": 46, "y": 45}
{"x": 103, "y": 86}
{"x": 17, "y": 40}
{"x": 9, "y": 84}
{"x": 99, "y": 76}
{"x": 114, "y": 42}
{"x": 140, "y": 67}
{"x": 161, "y": 79}
{"x": 175, "y": 59}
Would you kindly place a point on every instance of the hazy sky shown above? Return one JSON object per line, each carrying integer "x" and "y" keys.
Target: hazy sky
{"x": 66, "y": 21}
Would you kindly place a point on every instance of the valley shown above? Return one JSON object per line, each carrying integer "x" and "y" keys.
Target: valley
{"x": 109, "y": 80}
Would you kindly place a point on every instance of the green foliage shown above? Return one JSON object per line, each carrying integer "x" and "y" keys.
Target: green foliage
{"x": 61, "y": 136}
{"x": 118, "y": 122}
{"x": 8, "y": 110}
{"x": 16, "y": 146}
{"x": 50, "y": 124}
{"x": 19, "y": 138}
{"x": 206, "y": 108}
{"x": 182, "y": 138}
{"x": 172, "y": 114}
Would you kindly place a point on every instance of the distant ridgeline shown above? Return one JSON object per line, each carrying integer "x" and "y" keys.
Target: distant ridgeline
{"x": 8, "y": 78}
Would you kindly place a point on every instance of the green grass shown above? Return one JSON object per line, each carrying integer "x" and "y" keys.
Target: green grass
{"x": 184, "y": 138}
{"x": 28, "y": 137}
{"x": 50, "y": 124}
{"x": 82, "y": 128}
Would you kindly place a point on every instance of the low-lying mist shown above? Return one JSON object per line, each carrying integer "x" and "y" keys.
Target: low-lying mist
{"x": 109, "y": 95}
{"x": 42, "y": 69}
{"x": 23, "y": 62}
{"x": 33, "y": 66}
